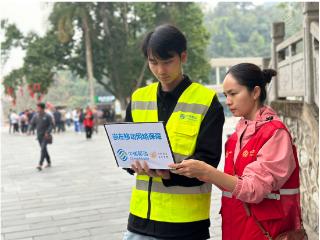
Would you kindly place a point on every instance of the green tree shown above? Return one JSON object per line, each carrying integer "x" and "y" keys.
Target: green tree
{"x": 243, "y": 29}
{"x": 102, "y": 41}
{"x": 13, "y": 38}
{"x": 117, "y": 29}
{"x": 44, "y": 56}
{"x": 63, "y": 16}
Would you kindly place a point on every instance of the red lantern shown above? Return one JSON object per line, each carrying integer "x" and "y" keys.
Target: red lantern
{"x": 39, "y": 97}
{"x": 21, "y": 91}
{"x": 31, "y": 93}
{"x": 10, "y": 91}
{"x": 36, "y": 87}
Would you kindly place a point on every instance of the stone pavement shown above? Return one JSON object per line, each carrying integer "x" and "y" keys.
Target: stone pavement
{"x": 84, "y": 196}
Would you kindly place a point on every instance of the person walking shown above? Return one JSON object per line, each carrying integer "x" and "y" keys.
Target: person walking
{"x": 43, "y": 123}
{"x": 75, "y": 118}
{"x": 14, "y": 119}
{"x": 88, "y": 122}
{"x": 9, "y": 120}
{"x": 165, "y": 205}
{"x": 260, "y": 182}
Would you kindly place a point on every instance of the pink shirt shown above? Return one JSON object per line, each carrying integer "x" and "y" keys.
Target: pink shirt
{"x": 275, "y": 161}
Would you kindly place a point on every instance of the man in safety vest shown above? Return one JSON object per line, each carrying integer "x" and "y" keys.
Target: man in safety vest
{"x": 165, "y": 205}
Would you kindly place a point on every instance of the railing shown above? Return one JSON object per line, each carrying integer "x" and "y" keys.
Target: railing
{"x": 296, "y": 60}
{"x": 314, "y": 30}
{"x": 291, "y": 80}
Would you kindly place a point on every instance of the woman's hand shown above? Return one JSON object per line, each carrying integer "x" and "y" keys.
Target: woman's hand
{"x": 193, "y": 169}
{"x": 205, "y": 173}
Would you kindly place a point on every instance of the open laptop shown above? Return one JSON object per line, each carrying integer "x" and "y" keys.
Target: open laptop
{"x": 140, "y": 141}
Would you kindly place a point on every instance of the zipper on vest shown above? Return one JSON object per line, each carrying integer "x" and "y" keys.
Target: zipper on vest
{"x": 149, "y": 198}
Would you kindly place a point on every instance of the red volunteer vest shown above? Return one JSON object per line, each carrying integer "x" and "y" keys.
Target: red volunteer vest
{"x": 278, "y": 212}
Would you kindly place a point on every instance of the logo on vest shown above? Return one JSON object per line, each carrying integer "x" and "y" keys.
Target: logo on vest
{"x": 245, "y": 153}
{"x": 251, "y": 154}
{"x": 188, "y": 117}
{"x": 228, "y": 153}
{"x": 122, "y": 154}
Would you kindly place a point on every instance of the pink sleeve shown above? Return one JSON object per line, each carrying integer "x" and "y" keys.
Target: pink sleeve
{"x": 273, "y": 167}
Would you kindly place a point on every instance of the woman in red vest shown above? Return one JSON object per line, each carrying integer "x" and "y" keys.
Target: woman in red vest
{"x": 260, "y": 182}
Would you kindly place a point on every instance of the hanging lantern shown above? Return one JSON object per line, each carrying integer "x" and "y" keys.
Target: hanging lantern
{"x": 31, "y": 92}
{"x": 21, "y": 91}
{"x": 36, "y": 87}
{"x": 10, "y": 91}
{"x": 39, "y": 97}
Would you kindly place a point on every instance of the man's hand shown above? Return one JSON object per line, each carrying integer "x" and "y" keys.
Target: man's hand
{"x": 141, "y": 167}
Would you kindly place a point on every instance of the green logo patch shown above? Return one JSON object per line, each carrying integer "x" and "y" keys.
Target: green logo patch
{"x": 188, "y": 117}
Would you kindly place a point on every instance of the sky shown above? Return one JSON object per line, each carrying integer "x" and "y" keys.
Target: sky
{"x": 28, "y": 16}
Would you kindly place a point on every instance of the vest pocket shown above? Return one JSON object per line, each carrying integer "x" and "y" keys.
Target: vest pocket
{"x": 186, "y": 136}
{"x": 184, "y": 129}
{"x": 268, "y": 209}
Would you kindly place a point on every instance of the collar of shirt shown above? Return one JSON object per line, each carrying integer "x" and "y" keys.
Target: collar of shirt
{"x": 166, "y": 101}
{"x": 175, "y": 93}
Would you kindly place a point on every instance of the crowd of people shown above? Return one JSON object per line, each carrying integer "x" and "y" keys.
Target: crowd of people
{"x": 63, "y": 118}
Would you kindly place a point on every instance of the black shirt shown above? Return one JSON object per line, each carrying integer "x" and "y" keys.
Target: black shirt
{"x": 43, "y": 123}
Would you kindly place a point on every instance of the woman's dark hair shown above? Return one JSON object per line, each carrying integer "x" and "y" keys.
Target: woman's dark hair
{"x": 164, "y": 42}
{"x": 250, "y": 75}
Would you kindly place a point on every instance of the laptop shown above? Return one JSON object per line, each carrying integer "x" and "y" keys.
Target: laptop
{"x": 147, "y": 141}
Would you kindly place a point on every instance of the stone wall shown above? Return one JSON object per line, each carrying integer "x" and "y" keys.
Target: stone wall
{"x": 302, "y": 120}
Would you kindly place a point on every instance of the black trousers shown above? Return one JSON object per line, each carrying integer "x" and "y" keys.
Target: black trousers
{"x": 44, "y": 151}
{"x": 88, "y": 132}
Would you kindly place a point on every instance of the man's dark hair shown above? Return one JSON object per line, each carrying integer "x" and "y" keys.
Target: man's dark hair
{"x": 41, "y": 105}
{"x": 164, "y": 42}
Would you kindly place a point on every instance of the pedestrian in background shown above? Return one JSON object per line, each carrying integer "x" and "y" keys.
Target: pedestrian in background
{"x": 14, "y": 120}
{"x": 260, "y": 183}
{"x": 43, "y": 123}
{"x": 9, "y": 119}
{"x": 75, "y": 118}
{"x": 88, "y": 122}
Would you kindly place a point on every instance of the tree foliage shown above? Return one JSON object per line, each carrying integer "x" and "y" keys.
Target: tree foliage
{"x": 13, "y": 38}
{"x": 111, "y": 33}
{"x": 242, "y": 29}
{"x": 116, "y": 32}
{"x": 44, "y": 56}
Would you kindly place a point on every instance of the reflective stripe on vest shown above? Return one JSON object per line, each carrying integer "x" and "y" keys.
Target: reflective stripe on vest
{"x": 159, "y": 187}
{"x": 274, "y": 196}
{"x": 185, "y": 107}
{"x": 175, "y": 203}
{"x": 144, "y": 105}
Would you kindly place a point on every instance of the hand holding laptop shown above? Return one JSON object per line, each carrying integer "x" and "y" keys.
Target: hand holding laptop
{"x": 143, "y": 168}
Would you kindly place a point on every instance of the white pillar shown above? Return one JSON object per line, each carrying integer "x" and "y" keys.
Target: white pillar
{"x": 218, "y": 75}
{"x": 277, "y": 37}
{"x": 311, "y": 13}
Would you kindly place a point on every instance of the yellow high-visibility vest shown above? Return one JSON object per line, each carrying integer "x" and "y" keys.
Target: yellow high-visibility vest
{"x": 150, "y": 198}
